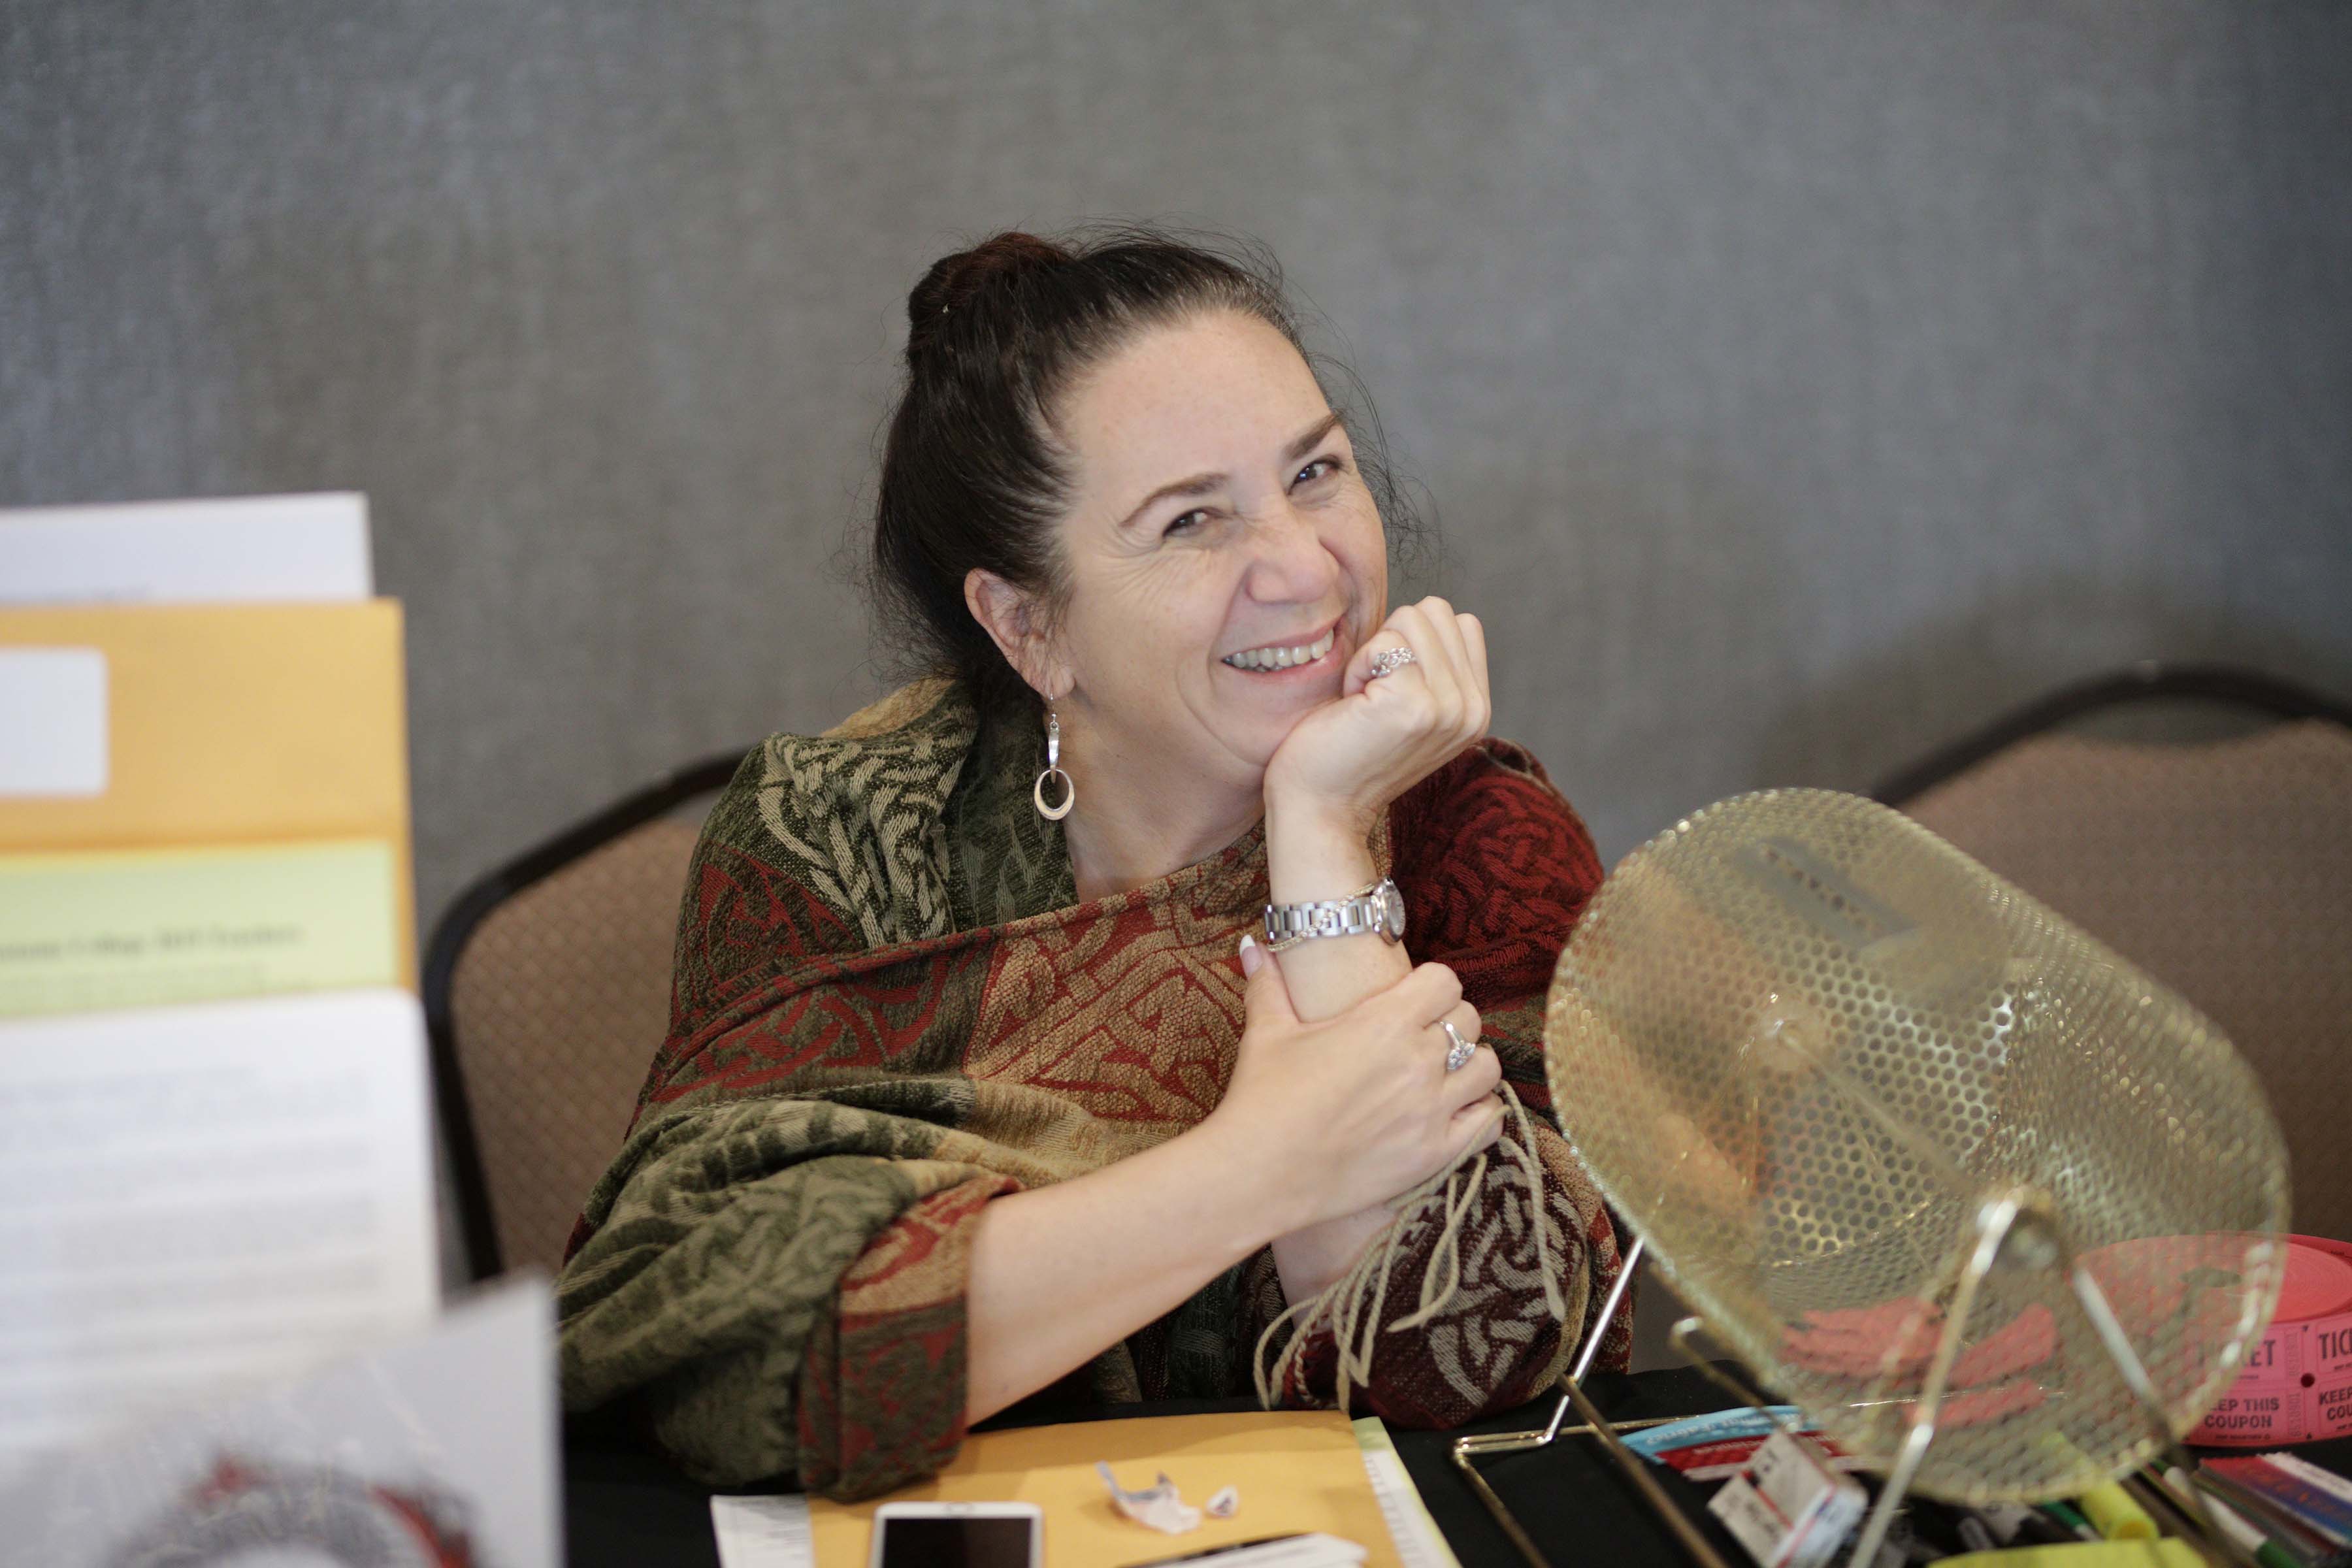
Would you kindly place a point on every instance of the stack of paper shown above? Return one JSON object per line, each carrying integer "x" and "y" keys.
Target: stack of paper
{"x": 201, "y": 1198}
{"x": 212, "y": 1128}
{"x": 197, "y": 799}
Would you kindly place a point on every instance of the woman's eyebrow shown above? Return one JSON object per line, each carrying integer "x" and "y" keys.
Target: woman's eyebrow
{"x": 1203, "y": 484}
{"x": 1300, "y": 447}
{"x": 1198, "y": 485}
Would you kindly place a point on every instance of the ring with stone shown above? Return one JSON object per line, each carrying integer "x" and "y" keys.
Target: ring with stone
{"x": 1458, "y": 1054}
{"x": 1389, "y": 660}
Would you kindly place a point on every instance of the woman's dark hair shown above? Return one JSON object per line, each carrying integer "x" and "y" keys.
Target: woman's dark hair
{"x": 971, "y": 475}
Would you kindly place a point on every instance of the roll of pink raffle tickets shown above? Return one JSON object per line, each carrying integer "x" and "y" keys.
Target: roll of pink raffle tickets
{"x": 2297, "y": 1386}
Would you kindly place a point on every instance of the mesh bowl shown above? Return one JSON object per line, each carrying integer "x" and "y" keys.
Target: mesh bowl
{"x": 1802, "y": 1043}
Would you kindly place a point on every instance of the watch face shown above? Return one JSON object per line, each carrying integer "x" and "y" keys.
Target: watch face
{"x": 1392, "y": 906}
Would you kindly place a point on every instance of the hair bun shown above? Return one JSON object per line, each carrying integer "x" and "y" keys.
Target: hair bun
{"x": 954, "y": 281}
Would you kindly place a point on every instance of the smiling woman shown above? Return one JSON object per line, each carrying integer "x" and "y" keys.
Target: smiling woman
{"x": 970, "y": 1096}
{"x": 1177, "y": 631}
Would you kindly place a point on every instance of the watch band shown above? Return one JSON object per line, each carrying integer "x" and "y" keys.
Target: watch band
{"x": 1359, "y": 914}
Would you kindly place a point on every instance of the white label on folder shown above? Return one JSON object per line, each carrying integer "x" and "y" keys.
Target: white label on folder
{"x": 52, "y": 721}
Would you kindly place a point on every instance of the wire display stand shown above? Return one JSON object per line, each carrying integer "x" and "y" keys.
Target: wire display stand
{"x": 2000, "y": 1223}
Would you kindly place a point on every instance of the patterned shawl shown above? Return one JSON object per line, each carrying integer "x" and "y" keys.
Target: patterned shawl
{"x": 890, "y": 1008}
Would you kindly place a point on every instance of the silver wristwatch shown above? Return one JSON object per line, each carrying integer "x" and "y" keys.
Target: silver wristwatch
{"x": 1378, "y": 908}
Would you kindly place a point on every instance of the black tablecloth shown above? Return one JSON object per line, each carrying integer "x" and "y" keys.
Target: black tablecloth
{"x": 625, "y": 1507}
{"x": 1569, "y": 1497}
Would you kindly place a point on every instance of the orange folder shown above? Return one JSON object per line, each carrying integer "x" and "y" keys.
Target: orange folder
{"x": 1296, "y": 1470}
{"x": 234, "y": 724}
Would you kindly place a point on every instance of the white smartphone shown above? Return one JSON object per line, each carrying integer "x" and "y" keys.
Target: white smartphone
{"x": 958, "y": 1535}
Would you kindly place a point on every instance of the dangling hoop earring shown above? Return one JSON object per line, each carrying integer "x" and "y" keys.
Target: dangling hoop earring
{"x": 1053, "y": 769}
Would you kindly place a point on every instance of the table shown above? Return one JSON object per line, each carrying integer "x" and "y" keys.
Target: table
{"x": 627, "y": 1507}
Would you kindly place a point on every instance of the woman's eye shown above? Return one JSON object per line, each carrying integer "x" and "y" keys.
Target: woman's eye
{"x": 1316, "y": 470}
{"x": 1185, "y": 524}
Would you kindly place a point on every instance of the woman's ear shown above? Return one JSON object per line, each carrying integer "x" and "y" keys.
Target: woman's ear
{"x": 1012, "y": 620}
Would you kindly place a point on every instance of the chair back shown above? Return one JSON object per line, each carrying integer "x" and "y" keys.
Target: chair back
{"x": 2222, "y": 868}
{"x": 548, "y": 991}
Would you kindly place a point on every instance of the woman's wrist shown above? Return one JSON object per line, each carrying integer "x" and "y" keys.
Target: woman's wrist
{"x": 1272, "y": 1201}
{"x": 1314, "y": 852}
{"x": 1311, "y": 1257}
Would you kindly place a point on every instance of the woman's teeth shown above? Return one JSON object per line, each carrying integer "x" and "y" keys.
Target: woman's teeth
{"x": 1283, "y": 657}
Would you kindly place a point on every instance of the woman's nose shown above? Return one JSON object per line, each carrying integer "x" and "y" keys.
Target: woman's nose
{"x": 1287, "y": 559}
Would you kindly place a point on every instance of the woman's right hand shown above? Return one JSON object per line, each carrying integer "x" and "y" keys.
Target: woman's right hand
{"x": 1351, "y": 1111}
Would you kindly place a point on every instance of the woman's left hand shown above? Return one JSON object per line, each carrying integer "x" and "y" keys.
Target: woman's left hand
{"x": 1344, "y": 762}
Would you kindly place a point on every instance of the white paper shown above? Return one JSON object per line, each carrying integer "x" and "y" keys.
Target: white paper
{"x": 1313, "y": 1551}
{"x": 458, "y": 1429}
{"x": 52, "y": 721}
{"x": 1160, "y": 1505}
{"x": 239, "y": 549}
{"x": 763, "y": 1532}
{"x": 1789, "y": 1508}
{"x": 199, "y": 1199}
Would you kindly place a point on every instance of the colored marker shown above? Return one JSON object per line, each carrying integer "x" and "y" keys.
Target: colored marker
{"x": 2065, "y": 1514}
{"x": 2270, "y": 1553}
{"x": 2110, "y": 1510}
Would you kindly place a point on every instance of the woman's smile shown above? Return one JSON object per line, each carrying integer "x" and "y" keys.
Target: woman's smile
{"x": 1296, "y": 660}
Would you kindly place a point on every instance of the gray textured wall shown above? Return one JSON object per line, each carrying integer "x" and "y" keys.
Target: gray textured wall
{"x": 1798, "y": 383}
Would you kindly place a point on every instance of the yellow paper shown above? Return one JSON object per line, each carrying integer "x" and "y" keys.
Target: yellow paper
{"x": 1298, "y": 1470}
{"x": 144, "y": 928}
{"x": 2170, "y": 1552}
{"x": 236, "y": 724}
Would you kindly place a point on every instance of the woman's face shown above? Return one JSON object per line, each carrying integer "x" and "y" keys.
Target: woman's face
{"x": 1224, "y": 555}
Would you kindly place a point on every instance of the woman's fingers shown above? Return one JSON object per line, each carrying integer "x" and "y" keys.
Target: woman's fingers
{"x": 1439, "y": 666}
{"x": 1430, "y": 993}
{"x": 1473, "y": 638}
{"x": 1464, "y": 1020}
{"x": 1455, "y": 632}
{"x": 1445, "y": 626}
{"x": 1475, "y": 1081}
{"x": 1362, "y": 754}
{"x": 1474, "y": 641}
{"x": 1359, "y": 673}
{"x": 1452, "y": 673}
{"x": 1406, "y": 629}
{"x": 1404, "y": 1012}
{"x": 1474, "y": 1076}
{"x": 1474, "y": 1127}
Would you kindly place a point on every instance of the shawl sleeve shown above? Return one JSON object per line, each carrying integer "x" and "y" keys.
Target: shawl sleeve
{"x": 1495, "y": 868}
{"x": 770, "y": 1278}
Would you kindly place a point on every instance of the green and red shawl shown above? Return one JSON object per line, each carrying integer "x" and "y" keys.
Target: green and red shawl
{"x": 890, "y": 1008}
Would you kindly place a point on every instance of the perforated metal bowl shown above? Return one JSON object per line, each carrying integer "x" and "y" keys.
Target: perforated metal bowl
{"x": 1801, "y": 1042}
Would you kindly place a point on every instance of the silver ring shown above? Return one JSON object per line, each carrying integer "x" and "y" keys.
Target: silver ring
{"x": 1389, "y": 660}
{"x": 1458, "y": 1054}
